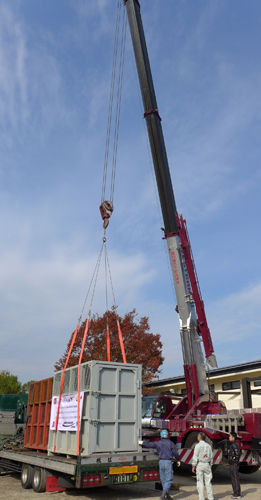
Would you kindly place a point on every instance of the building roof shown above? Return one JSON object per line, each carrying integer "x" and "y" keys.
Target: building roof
{"x": 215, "y": 372}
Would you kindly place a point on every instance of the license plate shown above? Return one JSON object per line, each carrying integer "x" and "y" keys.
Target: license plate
{"x": 123, "y": 478}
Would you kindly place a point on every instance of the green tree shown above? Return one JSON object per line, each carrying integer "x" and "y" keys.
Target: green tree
{"x": 9, "y": 384}
{"x": 141, "y": 346}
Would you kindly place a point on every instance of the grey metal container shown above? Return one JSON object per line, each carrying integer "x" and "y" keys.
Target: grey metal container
{"x": 111, "y": 416}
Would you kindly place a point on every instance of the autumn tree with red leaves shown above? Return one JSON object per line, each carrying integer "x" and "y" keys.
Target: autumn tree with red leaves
{"x": 141, "y": 346}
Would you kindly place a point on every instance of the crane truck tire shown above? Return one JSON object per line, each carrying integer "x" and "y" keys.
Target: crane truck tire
{"x": 27, "y": 473}
{"x": 39, "y": 480}
{"x": 248, "y": 469}
{"x": 192, "y": 440}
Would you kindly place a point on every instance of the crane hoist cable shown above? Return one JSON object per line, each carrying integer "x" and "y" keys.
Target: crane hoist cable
{"x": 113, "y": 74}
{"x": 94, "y": 283}
{"x": 115, "y": 308}
{"x": 94, "y": 278}
{"x": 106, "y": 207}
{"x": 119, "y": 94}
{"x": 107, "y": 308}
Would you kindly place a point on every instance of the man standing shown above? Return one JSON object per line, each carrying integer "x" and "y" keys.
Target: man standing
{"x": 233, "y": 460}
{"x": 201, "y": 464}
{"x": 166, "y": 450}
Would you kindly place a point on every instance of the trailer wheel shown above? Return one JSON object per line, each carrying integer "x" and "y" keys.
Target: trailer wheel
{"x": 39, "y": 480}
{"x": 27, "y": 473}
{"x": 248, "y": 469}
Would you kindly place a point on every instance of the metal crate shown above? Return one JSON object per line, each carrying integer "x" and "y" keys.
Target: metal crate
{"x": 38, "y": 415}
{"x": 40, "y": 391}
{"x": 111, "y": 414}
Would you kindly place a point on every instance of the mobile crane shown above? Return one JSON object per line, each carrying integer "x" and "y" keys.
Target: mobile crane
{"x": 200, "y": 408}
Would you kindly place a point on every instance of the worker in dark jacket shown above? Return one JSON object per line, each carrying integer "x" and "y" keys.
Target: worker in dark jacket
{"x": 233, "y": 460}
{"x": 166, "y": 450}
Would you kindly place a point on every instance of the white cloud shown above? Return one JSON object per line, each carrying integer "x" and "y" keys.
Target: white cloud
{"x": 206, "y": 157}
{"x": 195, "y": 39}
{"x": 96, "y": 12}
{"x": 13, "y": 81}
{"x": 32, "y": 98}
{"x": 236, "y": 317}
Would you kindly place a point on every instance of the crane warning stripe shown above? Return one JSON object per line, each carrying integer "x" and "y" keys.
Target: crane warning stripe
{"x": 250, "y": 457}
{"x": 187, "y": 454}
{"x": 217, "y": 457}
{"x": 247, "y": 456}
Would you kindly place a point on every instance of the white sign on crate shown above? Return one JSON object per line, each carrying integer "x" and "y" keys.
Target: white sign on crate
{"x": 68, "y": 414}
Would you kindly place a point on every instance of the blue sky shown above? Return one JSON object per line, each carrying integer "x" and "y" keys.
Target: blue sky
{"x": 55, "y": 66}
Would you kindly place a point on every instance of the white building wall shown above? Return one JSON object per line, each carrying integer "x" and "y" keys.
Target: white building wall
{"x": 232, "y": 398}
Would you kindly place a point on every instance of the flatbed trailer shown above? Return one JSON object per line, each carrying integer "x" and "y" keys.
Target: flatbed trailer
{"x": 53, "y": 473}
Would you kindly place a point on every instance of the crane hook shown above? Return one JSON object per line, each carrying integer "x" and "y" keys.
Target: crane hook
{"x": 106, "y": 209}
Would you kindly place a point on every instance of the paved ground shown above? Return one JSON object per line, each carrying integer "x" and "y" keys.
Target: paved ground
{"x": 10, "y": 489}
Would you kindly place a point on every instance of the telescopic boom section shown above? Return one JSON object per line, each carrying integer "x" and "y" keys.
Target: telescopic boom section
{"x": 157, "y": 144}
{"x": 202, "y": 320}
{"x": 194, "y": 364}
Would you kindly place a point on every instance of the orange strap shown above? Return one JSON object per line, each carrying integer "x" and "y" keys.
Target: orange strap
{"x": 121, "y": 343}
{"x": 79, "y": 383}
{"x": 61, "y": 388}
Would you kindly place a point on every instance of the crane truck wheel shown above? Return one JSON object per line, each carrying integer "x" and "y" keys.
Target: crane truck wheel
{"x": 192, "y": 440}
{"x": 39, "y": 480}
{"x": 27, "y": 473}
{"x": 248, "y": 469}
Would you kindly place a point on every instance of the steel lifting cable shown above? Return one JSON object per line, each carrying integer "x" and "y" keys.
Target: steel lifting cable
{"x": 97, "y": 267}
{"x": 106, "y": 207}
{"x": 117, "y": 317}
{"x": 114, "y": 63}
{"x": 107, "y": 308}
{"x": 95, "y": 274}
{"x": 119, "y": 94}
